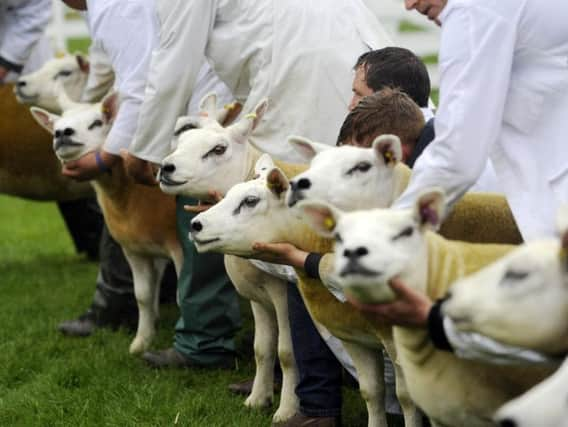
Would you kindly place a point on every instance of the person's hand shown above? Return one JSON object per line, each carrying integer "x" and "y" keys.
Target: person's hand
{"x": 143, "y": 171}
{"x": 411, "y": 307}
{"x": 203, "y": 205}
{"x": 280, "y": 253}
{"x": 3, "y": 73}
{"x": 87, "y": 168}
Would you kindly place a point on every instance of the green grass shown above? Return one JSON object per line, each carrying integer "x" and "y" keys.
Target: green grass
{"x": 50, "y": 380}
{"x": 78, "y": 45}
{"x": 405, "y": 26}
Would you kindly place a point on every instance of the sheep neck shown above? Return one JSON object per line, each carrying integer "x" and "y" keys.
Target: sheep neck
{"x": 252, "y": 154}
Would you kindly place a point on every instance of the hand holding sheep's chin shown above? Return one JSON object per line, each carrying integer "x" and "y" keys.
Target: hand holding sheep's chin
{"x": 87, "y": 167}
{"x": 280, "y": 253}
{"x": 411, "y": 308}
{"x": 143, "y": 171}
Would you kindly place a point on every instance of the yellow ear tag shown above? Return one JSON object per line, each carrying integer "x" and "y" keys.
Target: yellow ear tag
{"x": 388, "y": 156}
{"x": 106, "y": 110}
{"x": 59, "y": 54}
{"x": 251, "y": 116}
{"x": 329, "y": 223}
{"x": 229, "y": 107}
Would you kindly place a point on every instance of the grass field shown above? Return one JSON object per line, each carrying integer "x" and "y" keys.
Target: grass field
{"x": 50, "y": 380}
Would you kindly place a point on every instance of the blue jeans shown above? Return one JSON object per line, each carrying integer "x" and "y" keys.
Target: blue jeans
{"x": 321, "y": 374}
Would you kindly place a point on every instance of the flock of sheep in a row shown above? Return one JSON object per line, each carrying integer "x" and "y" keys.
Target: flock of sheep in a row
{"x": 517, "y": 295}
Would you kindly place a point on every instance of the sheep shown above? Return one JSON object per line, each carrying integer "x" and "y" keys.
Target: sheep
{"x": 377, "y": 245}
{"x": 210, "y": 156}
{"x": 40, "y": 88}
{"x": 520, "y": 300}
{"x": 140, "y": 218}
{"x": 28, "y": 166}
{"x": 542, "y": 406}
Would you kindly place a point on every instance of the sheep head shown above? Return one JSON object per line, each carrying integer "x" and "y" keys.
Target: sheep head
{"x": 348, "y": 177}
{"x": 208, "y": 156}
{"x": 41, "y": 87}
{"x": 251, "y": 211}
{"x": 79, "y": 130}
{"x": 374, "y": 246}
{"x": 520, "y": 300}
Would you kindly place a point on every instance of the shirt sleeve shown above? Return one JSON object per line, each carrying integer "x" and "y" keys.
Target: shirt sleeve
{"x": 25, "y": 24}
{"x": 476, "y": 54}
{"x": 130, "y": 57}
{"x": 101, "y": 75}
{"x": 184, "y": 30}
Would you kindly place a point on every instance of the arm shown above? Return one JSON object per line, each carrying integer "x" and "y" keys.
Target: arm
{"x": 24, "y": 27}
{"x": 184, "y": 27}
{"x": 475, "y": 61}
{"x": 101, "y": 75}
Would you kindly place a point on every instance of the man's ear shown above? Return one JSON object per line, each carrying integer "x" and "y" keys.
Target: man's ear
{"x": 263, "y": 165}
{"x": 321, "y": 216}
{"x": 277, "y": 182}
{"x": 44, "y": 118}
{"x": 388, "y": 149}
{"x": 429, "y": 209}
{"x": 109, "y": 107}
{"x": 308, "y": 149}
{"x": 82, "y": 62}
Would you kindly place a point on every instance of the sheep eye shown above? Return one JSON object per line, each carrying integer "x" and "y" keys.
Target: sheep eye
{"x": 359, "y": 167}
{"x": 338, "y": 238}
{"x": 512, "y": 275}
{"x": 63, "y": 73}
{"x": 407, "y": 232}
{"x": 96, "y": 123}
{"x": 218, "y": 150}
{"x": 249, "y": 202}
{"x": 185, "y": 128}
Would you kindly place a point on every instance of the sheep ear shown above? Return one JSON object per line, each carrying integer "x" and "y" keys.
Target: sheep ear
{"x": 263, "y": 165}
{"x": 109, "y": 107}
{"x": 186, "y": 123}
{"x": 229, "y": 113}
{"x": 259, "y": 112}
{"x": 429, "y": 209}
{"x": 44, "y": 118}
{"x": 208, "y": 105}
{"x": 277, "y": 182}
{"x": 308, "y": 149}
{"x": 82, "y": 62}
{"x": 562, "y": 225}
{"x": 388, "y": 149}
{"x": 320, "y": 216}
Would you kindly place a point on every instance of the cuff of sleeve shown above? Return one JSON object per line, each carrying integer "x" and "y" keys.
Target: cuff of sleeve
{"x": 436, "y": 328}
{"x": 311, "y": 265}
{"x": 10, "y": 65}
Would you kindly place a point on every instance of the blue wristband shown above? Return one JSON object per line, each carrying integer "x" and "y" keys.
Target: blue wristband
{"x": 100, "y": 163}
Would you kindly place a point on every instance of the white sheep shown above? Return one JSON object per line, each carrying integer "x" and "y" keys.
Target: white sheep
{"x": 377, "y": 245}
{"x": 140, "y": 218}
{"x": 520, "y": 300}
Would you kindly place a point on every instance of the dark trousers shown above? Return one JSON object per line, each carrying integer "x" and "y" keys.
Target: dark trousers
{"x": 209, "y": 306}
{"x": 319, "y": 386}
{"x": 84, "y": 222}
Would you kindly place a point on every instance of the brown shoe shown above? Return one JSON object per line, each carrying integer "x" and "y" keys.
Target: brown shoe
{"x": 171, "y": 358}
{"x": 245, "y": 387}
{"x": 300, "y": 420}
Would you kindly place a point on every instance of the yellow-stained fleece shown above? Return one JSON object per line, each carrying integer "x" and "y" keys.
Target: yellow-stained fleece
{"x": 28, "y": 165}
{"x": 454, "y": 391}
{"x": 290, "y": 170}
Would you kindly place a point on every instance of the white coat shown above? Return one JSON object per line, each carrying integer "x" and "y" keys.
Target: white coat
{"x": 127, "y": 31}
{"x": 503, "y": 94}
{"x": 297, "y": 53}
{"x": 22, "y": 34}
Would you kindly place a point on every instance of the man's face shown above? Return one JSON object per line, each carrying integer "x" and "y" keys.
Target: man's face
{"x": 430, "y": 8}
{"x": 76, "y": 4}
{"x": 360, "y": 88}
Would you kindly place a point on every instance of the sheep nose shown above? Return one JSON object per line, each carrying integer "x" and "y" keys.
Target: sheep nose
{"x": 356, "y": 253}
{"x": 21, "y": 83}
{"x": 196, "y": 226}
{"x": 57, "y": 133}
{"x": 508, "y": 422}
{"x": 169, "y": 168}
{"x": 68, "y": 132}
{"x": 304, "y": 184}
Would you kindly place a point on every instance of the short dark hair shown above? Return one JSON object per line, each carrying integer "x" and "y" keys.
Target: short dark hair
{"x": 396, "y": 67}
{"x": 389, "y": 111}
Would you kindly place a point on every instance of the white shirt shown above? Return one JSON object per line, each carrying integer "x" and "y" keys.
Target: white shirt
{"x": 298, "y": 53}
{"x": 128, "y": 32}
{"x": 503, "y": 94}
{"x": 22, "y": 27}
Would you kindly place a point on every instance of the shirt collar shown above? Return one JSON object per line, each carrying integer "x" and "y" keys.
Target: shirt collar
{"x": 445, "y": 12}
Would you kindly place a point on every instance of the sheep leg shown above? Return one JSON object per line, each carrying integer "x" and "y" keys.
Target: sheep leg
{"x": 412, "y": 416}
{"x": 144, "y": 275}
{"x": 289, "y": 404}
{"x": 160, "y": 267}
{"x": 370, "y": 371}
{"x": 265, "y": 331}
